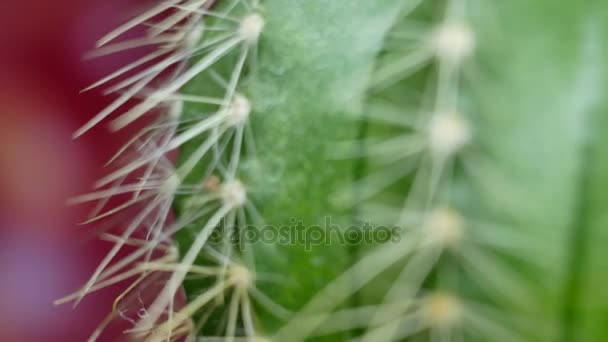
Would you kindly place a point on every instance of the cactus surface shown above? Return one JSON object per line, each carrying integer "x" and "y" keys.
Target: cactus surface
{"x": 443, "y": 162}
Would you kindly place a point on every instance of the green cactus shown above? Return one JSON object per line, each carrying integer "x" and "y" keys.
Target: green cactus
{"x": 364, "y": 170}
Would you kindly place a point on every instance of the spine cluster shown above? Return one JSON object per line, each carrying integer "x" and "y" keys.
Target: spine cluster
{"x": 145, "y": 180}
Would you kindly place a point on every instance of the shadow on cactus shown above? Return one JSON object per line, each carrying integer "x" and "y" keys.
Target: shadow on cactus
{"x": 451, "y": 145}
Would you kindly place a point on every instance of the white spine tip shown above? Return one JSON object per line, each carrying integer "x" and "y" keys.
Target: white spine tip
{"x": 442, "y": 310}
{"x": 171, "y": 184}
{"x": 448, "y": 133}
{"x": 175, "y": 109}
{"x": 453, "y": 42}
{"x": 445, "y": 227}
{"x": 193, "y": 37}
{"x": 173, "y": 253}
{"x": 238, "y": 110}
{"x": 251, "y": 28}
{"x": 233, "y": 194}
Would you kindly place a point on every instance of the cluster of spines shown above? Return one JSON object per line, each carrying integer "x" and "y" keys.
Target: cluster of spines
{"x": 143, "y": 172}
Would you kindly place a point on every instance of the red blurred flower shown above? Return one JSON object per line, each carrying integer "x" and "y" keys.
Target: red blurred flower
{"x": 44, "y": 254}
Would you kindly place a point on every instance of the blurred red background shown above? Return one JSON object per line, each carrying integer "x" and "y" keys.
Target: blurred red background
{"x": 44, "y": 254}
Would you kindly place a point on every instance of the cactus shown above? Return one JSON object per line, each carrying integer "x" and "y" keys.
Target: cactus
{"x": 441, "y": 160}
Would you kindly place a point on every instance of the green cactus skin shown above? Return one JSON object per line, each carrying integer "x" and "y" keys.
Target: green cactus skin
{"x": 474, "y": 127}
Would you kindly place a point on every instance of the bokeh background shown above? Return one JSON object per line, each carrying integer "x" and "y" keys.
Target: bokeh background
{"x": 44, "y": 253}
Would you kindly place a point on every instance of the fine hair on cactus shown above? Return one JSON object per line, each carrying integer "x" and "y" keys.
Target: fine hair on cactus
{"x": 460, "y": 135}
